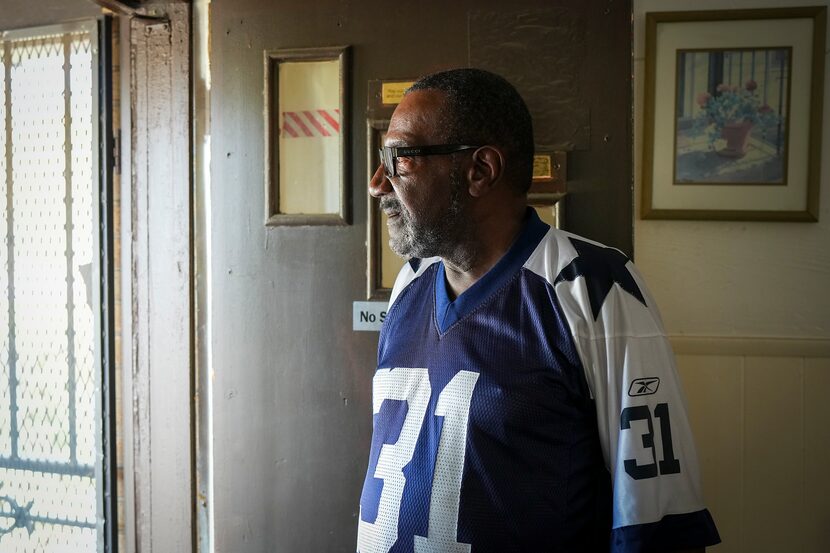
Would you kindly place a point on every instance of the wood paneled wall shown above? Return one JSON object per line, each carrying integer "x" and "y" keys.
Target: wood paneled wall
{"x": 761, "y": 421}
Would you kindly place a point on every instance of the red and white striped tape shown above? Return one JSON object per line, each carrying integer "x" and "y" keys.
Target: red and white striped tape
{"x": 300, "y": 124}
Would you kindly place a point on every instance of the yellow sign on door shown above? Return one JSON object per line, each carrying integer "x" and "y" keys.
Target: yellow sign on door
{"x": 391, "y": 93}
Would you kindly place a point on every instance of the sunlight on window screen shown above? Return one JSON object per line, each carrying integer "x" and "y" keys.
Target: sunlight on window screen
{"x": 48, "y": 446}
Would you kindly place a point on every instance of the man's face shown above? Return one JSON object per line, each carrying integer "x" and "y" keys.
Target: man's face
{"x": 426, "y": 203}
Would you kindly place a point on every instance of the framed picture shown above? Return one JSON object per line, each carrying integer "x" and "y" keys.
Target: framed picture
{"x": 733, "y": 112}
{"x": 306, "y": 137}
{"x": 382, "y": 263}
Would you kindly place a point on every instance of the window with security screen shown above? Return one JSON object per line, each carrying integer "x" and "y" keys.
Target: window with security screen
{"x": 52, "y": 452}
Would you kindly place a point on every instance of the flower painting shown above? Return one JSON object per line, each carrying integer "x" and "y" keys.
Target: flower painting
{"x": 731, "y": 116}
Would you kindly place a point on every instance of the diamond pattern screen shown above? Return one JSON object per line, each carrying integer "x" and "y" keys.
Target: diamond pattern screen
{"x": 49, "y": 270}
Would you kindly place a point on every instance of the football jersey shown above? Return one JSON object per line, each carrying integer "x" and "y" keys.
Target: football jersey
{"x": 539, "y": 411}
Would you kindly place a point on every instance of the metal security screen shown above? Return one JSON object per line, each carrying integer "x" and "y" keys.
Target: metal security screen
{"x": 51, "y": 452}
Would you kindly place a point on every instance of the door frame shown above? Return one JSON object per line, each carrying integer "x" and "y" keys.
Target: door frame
{"x": 157, "y": 303}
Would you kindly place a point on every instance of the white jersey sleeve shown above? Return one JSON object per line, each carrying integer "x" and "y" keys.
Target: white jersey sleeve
{"x": 642, "y": 419}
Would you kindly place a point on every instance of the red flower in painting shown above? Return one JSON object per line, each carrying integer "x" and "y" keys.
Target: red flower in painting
{"x": 731, "y": 105}
{"x": 703, "y": 98}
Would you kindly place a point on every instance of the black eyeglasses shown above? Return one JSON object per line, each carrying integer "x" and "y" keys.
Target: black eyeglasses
{"x": 389, "y": 154}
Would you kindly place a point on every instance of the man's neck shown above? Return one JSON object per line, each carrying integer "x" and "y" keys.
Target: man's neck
{"x": 474, "y": 258}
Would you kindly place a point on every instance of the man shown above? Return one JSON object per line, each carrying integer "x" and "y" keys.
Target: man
{"x": 525, "y": 397}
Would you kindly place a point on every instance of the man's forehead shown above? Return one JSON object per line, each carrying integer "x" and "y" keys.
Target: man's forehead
{"x": 416, "y": 118}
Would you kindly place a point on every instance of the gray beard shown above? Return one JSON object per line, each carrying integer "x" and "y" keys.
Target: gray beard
{"x": 441, "y": 236}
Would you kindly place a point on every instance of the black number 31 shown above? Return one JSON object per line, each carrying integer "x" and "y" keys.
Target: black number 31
{"x": 669, "y": 464}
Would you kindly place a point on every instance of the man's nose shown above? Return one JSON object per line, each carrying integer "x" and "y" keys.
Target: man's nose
{"x": 379, "y": 185}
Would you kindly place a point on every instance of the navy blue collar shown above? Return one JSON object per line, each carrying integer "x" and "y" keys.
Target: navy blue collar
{"x": 448, "y": 312}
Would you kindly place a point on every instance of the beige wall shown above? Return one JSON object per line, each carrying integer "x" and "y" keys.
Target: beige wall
{"x": 761, "y": 425}
{"x": 748, "y": 308}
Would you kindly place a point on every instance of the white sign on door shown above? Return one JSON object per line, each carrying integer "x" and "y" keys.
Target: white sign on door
{"x": 368, "y": 315}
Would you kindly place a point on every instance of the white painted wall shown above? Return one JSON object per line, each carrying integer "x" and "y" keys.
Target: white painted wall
{"x": 735, "y": 279}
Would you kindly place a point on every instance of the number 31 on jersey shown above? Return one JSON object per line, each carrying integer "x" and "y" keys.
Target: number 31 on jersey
{"x": 413, "y": 387}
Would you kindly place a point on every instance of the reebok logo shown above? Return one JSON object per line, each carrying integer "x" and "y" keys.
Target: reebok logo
{"x": 643, "y": 386}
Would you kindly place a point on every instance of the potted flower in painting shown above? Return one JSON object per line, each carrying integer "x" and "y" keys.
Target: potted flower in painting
{"x": 731, "y": 114}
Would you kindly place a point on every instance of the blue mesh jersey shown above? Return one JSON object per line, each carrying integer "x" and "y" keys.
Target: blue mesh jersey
{"x": 540, "y": 411}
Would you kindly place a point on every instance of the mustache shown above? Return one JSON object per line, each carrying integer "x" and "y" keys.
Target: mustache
{"x": 388, "y": 203}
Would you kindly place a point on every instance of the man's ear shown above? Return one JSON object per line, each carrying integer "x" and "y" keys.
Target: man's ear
{"x": 486, "y": 170}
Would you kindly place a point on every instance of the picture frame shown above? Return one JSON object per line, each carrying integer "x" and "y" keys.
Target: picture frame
{"x": 382, "y": 264}
{"x": 380, "y": 274}
{"x": 307, "y": 136}
{"x": 733, "y": 114}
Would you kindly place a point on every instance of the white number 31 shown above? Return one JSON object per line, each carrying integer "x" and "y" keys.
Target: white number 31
{"x": 412, "y": 386}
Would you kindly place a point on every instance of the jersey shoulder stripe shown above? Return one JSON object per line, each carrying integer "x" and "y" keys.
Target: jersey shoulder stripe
{"x": 411, "y": 270}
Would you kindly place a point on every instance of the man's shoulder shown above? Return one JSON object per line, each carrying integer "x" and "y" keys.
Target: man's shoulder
{"x": 413, "y": 269}
{"x": 559, "y": 249}
{"x": 584, "y": 274}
